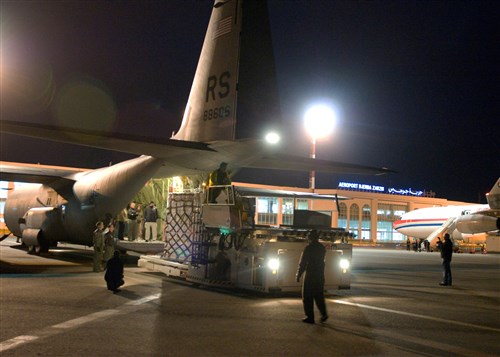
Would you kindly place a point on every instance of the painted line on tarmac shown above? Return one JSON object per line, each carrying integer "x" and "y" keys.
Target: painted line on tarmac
{"x": 35, "y": 275}
{"x": 389, "y": 337}
{"x": 16, "y": 341}
{"x": 437, "y": 319}
{"x": 74, "y": 323}
{"x": 144, "y": 299}
{"x": 86, "y": 319}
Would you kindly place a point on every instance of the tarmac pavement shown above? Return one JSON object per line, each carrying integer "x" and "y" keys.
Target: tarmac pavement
{"x": 55, "y": 306}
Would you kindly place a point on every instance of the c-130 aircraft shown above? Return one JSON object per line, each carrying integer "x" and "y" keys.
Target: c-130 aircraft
{"x": 67, "y": 202}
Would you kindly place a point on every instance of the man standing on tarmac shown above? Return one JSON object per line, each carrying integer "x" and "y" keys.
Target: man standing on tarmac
{"x": 98, "y": 240}
{"x": 312, "y": 262}
{"x": 446, "y": 253}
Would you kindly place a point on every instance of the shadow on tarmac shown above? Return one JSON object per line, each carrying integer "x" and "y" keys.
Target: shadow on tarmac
{"x": 77, "y": 257}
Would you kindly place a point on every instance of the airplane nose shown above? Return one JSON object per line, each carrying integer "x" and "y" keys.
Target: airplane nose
{"x": 396, "y": 224}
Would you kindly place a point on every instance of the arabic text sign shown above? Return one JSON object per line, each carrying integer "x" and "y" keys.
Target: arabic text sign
{"x": 379, "y": 189}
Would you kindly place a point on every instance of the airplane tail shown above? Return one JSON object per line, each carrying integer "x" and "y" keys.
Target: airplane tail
{"x": 210, "y": 112}
{"x": 493, "y": 197}
{"x": 221, "y": 77}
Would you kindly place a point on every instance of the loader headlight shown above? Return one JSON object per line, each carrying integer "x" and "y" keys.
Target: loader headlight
{"x": 273, "y": 264}
{"x": 273, "y": 137}
{"x": 344, "y": 264}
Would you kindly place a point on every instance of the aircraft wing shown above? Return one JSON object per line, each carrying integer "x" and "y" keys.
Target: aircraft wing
{"x": 492, "y": 212}
{"x": 270, "y": 192}
{"x": 296, "y": 163}
{"x": 257, "y": 154}
{"x": 35, "y": 173}
{"x": 132, "y": 144}
{"x": 188, "y": 157}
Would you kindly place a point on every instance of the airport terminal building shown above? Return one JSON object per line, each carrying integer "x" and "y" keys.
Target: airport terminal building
{"x": 367, "y": 211}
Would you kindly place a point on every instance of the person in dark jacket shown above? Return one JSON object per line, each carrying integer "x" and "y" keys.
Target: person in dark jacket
{"x": 150, "y": 218}
{"x": 446, "y": 253}
{"x": 439, "y": 245}
{"x": 312, "y": 262}
{"x": 114, "y": 273}
{"x": 132, "y": 221}
{"x": 109, "y": 243}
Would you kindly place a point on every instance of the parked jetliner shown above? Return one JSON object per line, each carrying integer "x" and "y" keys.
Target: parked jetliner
{"x": 429, "y": 223}
{"x": 66, "y": 203}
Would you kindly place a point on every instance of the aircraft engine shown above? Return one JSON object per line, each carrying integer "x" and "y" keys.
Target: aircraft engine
{"x": 494, "y": 198}
{"x": 40, "y": 223}
{"x": 477, "y": 223}
{"x": 32, "y": 237}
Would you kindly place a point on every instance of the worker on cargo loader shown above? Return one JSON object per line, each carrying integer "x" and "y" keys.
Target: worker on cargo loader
{"x": 312, "y": 262}
{"x": 218, "y": 177}
{"x": 222, "y": 266}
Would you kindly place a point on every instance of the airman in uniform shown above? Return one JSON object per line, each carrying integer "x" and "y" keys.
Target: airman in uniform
{"x": 312, "y": 262}
{"x": 98, "y": 241}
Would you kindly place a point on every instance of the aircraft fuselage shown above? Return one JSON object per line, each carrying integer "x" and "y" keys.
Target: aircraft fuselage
{"x": 422, "y": 222}
{"x": 68, "y": 210}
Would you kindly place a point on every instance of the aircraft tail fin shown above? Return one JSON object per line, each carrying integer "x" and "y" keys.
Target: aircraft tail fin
{"x": 210, "y": 112}
{"x": 493, "y": 196}
{"x": 234, "y": 94}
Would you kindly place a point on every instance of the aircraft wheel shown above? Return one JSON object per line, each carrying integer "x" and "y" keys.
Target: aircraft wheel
{"x": 44, "y": 245}
{"x": 39, "y": 249}
{"x": 44, "y": 248}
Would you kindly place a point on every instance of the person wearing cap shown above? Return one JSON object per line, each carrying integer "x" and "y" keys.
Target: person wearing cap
{"x": 312, "y": 263}
{"x": 219, "y": 177}
{"x": 98, "y": 241}
{"x": 150, "y": 218}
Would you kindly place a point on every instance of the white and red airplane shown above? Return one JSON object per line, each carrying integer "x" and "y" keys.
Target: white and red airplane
{"x": 429, "y": 223}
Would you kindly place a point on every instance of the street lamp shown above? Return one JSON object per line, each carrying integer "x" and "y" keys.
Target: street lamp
{"x": 319, "y": 122}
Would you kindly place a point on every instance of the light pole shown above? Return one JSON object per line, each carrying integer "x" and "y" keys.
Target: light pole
{"x": 319, "y": 122}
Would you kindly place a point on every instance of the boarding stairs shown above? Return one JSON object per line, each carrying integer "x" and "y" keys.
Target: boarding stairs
{"x": 446, "y": 227}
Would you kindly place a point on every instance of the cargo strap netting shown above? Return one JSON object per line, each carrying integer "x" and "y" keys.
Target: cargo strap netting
{"x": 184, "y": 226}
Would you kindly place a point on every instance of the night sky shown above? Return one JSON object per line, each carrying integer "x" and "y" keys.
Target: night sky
{"x": 414, "y": 83}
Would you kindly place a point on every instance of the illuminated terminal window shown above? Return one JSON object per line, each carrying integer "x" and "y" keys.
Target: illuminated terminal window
{"x": 354, "y": 220}
{"x": 267, "y": 210}
{"x": 4, "y": 189}
{"x": 386, "y": 215}
{"x": 342, "y": 220}
{"x": 287, "y": 211}
{"x": 365, "y": 222}
{"x": 302, "y": 203}
{"x": 2, "y": 209}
